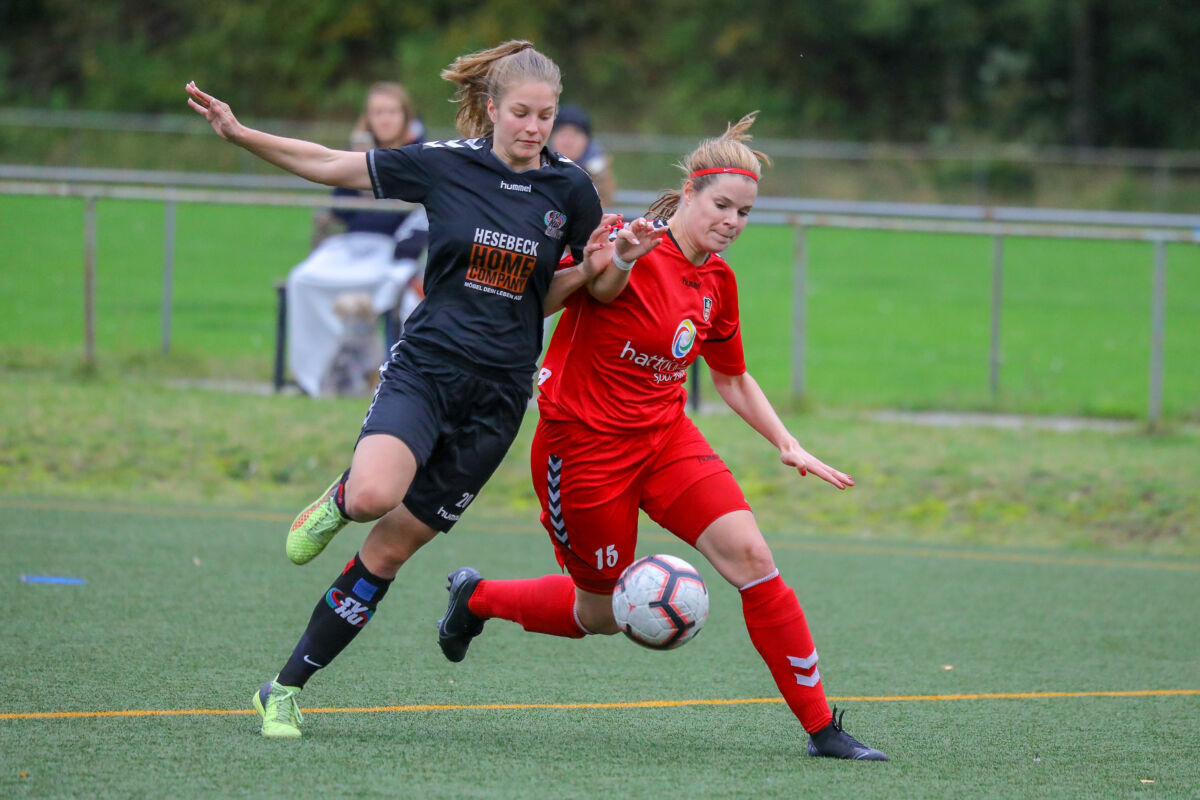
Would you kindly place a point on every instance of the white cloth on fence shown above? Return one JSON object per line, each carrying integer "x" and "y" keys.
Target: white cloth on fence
{"x": 347, "y": 262}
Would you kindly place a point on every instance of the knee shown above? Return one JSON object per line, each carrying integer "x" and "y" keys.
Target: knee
{"x": 758, "y": 561}
{"x": 370, "y": 501}
{"x": 750, "y": 562}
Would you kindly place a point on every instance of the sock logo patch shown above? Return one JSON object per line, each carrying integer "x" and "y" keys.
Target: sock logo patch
{"x": 365, "y": 589}
{"x": 348, "y": 608}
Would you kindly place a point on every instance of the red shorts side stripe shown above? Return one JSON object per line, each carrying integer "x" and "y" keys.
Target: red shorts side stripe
{"x": 592, "y": 484}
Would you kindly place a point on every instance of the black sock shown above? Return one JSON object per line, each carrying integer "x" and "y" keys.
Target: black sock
{"x": 339, "y": 494}
{"x": 338, "y": 617}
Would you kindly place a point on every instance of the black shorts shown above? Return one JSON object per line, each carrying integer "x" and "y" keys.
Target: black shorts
{"x": 458, "y": 423}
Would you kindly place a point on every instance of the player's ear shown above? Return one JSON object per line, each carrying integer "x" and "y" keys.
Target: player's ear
{"x": 688, "y": 193}
{"x": 492, "y": 111}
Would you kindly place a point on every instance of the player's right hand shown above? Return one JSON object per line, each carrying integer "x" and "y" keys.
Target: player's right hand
{"x": 218, "y": 113}
{"x": 638, "y": 238}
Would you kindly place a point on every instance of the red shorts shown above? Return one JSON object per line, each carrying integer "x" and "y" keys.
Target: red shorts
{"x": 591, "y": 485}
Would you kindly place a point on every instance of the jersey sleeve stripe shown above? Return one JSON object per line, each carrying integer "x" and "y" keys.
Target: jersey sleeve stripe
{"x": 726, "y": 338}
{"x": 374, "y": 175}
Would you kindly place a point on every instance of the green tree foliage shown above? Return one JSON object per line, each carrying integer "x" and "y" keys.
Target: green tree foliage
{"x": 1119, "y": 73}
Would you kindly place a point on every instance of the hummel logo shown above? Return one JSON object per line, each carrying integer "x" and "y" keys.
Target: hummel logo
{"x": 456, "y": 144}
{"x": 515, "y": 187}
{"x": 806, "y": 665}
{"x": 308, "y": 660}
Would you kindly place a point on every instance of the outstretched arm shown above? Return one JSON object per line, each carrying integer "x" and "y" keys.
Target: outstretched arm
{"x": 568, "y": 280}
{"x": 309, "y": 160}
{"x": 743, "y": 394}
{"x": 632, "y": 242}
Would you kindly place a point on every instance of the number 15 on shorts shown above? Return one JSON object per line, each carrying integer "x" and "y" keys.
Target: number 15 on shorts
{"x": 606, "y": 556}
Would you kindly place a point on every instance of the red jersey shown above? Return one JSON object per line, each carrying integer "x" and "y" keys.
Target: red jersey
{"x": 622, "y": 366}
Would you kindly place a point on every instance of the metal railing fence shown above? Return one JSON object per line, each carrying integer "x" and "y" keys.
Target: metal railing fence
{"x": 801, "y": 215}
{"x": 1159, "y": 179}
{"x": 1046, "y": 155}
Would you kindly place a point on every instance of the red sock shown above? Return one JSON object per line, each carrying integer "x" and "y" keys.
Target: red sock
{"x": 780, "y": 634}
{"x": 540, "y": 605}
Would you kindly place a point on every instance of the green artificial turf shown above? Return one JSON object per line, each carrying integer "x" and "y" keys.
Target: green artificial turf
{"x": 188, "y": 611}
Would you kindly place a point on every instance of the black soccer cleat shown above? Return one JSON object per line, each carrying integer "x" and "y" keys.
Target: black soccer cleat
{"x": 833, "y": 742}
{"x": 459, "y": 626}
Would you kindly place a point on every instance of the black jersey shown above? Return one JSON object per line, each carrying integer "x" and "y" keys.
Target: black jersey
{"x": 495, "y": 239}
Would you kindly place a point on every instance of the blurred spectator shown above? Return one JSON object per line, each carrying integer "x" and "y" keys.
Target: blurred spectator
{"x": 378, "y": 254}
{"x": 387, "y": 121}
{"x": 572, "y": 136}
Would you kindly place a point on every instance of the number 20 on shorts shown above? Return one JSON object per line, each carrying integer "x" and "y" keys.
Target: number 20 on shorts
{"x": 606, "y": 556}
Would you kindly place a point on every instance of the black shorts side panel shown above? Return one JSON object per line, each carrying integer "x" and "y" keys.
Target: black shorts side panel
{"x": 458, "y": 424}
{"x": 465, "y": 458}
{"x": 408, "y": 405}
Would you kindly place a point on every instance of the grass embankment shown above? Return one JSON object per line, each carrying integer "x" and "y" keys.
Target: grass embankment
{"x": 120, "y": 441}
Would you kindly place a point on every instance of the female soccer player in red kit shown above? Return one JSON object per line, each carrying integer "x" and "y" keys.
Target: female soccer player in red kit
{"x": 613, "y": 438}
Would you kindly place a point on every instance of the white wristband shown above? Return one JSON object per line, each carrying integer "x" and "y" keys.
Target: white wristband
{"x": 621, "y": 264}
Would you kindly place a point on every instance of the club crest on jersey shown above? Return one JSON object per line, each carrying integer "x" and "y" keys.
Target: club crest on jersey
{"x": 707, "y": 308}
{"x": 554, "y": 222}
{"x": 684, "y": 338}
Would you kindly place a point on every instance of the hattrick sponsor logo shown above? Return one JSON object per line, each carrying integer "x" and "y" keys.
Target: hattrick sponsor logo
{"x": 665, "y": 370}
{"x": 684, "y": 338}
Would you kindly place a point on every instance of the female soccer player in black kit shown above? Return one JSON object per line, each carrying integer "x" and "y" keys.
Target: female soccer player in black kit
{"x": 502, "y": 209}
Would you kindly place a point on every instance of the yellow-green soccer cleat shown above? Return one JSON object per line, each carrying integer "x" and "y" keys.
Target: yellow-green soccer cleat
{"x": 315, "y": 527}
{"x": 280, "y": 712}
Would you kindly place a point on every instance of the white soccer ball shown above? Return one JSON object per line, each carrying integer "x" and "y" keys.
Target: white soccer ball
{"x": 660, "y": 602}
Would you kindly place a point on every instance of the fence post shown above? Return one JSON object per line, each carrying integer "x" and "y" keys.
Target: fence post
{"x": 799, "y": 314}
{"x": 1162, "y": 183}
{"x": 168, "y": 268}
{"x": 280, "y": 332}
{"x": 1158, "y": 313}
{"x": 89, "y": 283}
{"x": 997, "y": 305}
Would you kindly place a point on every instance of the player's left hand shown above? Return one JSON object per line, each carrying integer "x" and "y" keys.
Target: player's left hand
{"x": 805, "y": 462}
{"x": 218, "y": 113}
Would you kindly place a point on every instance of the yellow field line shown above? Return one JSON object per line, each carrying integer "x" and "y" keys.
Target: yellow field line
{"x": 850, "y": 548}
{"x": 592, "y": 706}
{"x": 1015, "y": 558}
{"x": 201, "y": 513}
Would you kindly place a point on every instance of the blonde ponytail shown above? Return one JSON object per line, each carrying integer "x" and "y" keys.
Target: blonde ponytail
{"x": 727, "y": 151}
{"x": 489, "y": 74}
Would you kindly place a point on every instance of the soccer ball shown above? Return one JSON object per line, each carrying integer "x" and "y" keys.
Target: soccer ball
{"x": 660, "y": 602}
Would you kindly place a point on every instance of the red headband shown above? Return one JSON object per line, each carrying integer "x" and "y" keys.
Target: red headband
{"x": 721, "y": 170}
